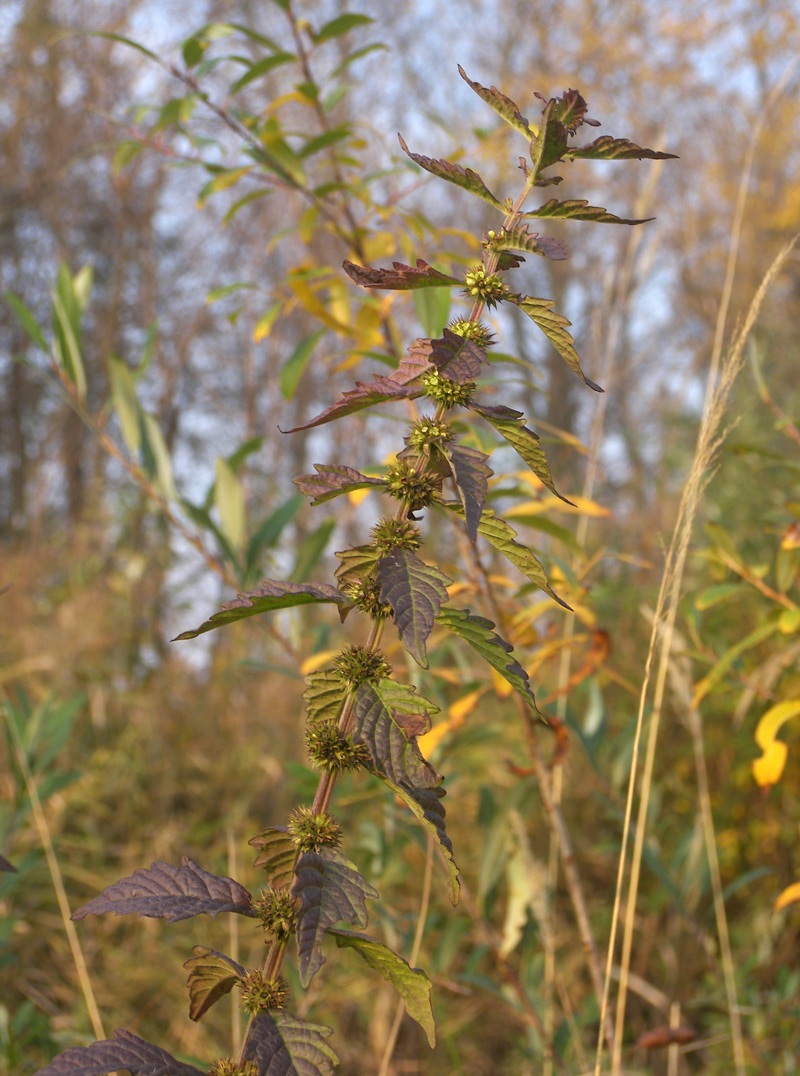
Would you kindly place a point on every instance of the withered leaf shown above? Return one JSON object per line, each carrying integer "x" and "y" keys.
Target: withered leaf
{"x": 666, "y": 1036}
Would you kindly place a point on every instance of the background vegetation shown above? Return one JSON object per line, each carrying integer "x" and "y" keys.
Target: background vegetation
{"x": 217, "y": 311}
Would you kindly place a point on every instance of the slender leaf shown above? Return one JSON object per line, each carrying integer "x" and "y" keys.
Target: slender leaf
{"x": 426, "y": 804}
{"x": 27, "y": 320}
{"x": 341, "y": 25}
{"x": 510, "y": 424}
{"x": 292, "y": 370}
{"x": 554, "y": 327}
{"x": 502, "y": 105}
{"x": 262, "y": 67}
{"x": 454, "y": 173}
{"x": 311, "y": 549}
{"x": 400, "y": 277}
{"x": 229, "y": 499}
{"x": 332, "y": 480}
{"x": 471, "y": 475}
{"x": 270, "y": 595}
{"x": 606, "y": 148}
{"x": 126, "y": 403}
{"x": 579, "y": 209}
{"x": 433, "y": 309}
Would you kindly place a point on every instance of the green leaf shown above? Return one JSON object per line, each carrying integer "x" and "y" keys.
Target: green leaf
{"x": 311, "y": 549}
{"x": 531, "y": 242}
{"x": 426, "y": 804}
{"x": 212, "y": 975}
{"x": 510, "y": 424}
{"x": 433, "y": 309}
{"x": 349, "y": 59}
{"x": 500, "y": 536}
{"x": 547, "y": 526}
{"x": 329, "y": 889}
{"x": 502, "y": 105}
{"x": 126, "y": 403}
{"x": 229, "y": 501}
{"x": 550, "y": 142}
{"x": 325, "y": 694}
{"x": 270, "y": 595}
{"x": 277, "y": 854}
{"x": 388, "y": 717}
{"x": 268, "y": 533}
{"x": 454, "y": 173}
{"x": 155, "y": 455}
{"x": 356, "y": 562}
{"x": 341, "y": 25}
{"x": 554, "y": 326}
{"x": 415, "y": 591}
{"x": 327, "y": 138}
{"x": 278, "y": 1042}
{"x": 412, "y": 984}
{"x": 292, "y": 369}
{"x": 606, "y": 148}
{"x": 263, "y": 67}
{"x": 579, "y": 209}
{"x": 69, "y": 302}
{"x": 479, "y": 633}
{"x": 27, "y": 320}
{"x": 124, "y": 41}
{"x": 713, "y": 595}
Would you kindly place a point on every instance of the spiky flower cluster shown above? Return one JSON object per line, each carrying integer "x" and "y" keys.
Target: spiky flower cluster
{"x": 446, "y": 392}
{"x": 365, "y": 594}
{"x": 415, "y": 490}
{"x": 277, "y": 911}
{"x": 229, "y": 1066}
{"x": 260, "y": 994}
{"x": 489, "y": 289}
{"x": 331, "y": 750}
{"x": 310, "y": 831}
{"x": 356, "y": 664}
{"x": 426, "y": 431}
{"x": 472, "y": 330}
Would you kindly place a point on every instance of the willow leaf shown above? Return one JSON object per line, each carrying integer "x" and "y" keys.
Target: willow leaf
{"x": 480, "y": 634}
{"x": 554, "y": 327}
{"x": 270, "y": 595}
{"x": 454, "y": 173}
{"x": 412, "y": 984}
{"x": 329, "y": 889}
{"x": 212, "y": 975}
{"x": 282, "y": 1045}
{"x": 415, "y": 591}
{"x": 388, "y": 717}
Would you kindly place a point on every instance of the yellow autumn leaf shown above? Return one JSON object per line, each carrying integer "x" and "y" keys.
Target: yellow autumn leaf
{"x": 455, "y": 717}
{"x": 790, "y": 895}
{"x": 316, "y": 661}
{"x": 768, "y": 768}
{"x": 379, "y": 245}
{"x": 501, "y": 686}
{"x": 581, "y": 506}
{"x": 356, "y": 496}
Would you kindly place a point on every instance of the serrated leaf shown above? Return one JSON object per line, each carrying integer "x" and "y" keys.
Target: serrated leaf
{"x": 579, "y": 209}
{"x": 282, "y": 1045}
{"x": 26, "y": 319}
{"x": 550, "y": 141}
{"x": 570, "y": 110}
{"x": 324, "y": 695}
{"x": 426, "y": 804}
{"x": 480, "y": 634}
{"x": 471, "y": 474}
{"x": 606, "y": 148}
{"x": 270, "y": 595}
{"x": 277, "y": 855}
{"x": 415, "y": 591}
{"x": 501, "y": 536}
{"x": 454, "y": 356}
{"x": 454, "y": 173}
{"x": 505, "y": 108}
{"x": 400, "y": 277}
{"x": 171, "y": 893}
{"x": 292, "y": 369}
{"x": 332, "y": 480}
{"x": 510, "y": 424}
{"x": 356, "y": 563}
{"x": 412, "y": 984}
{"x": 554, "y": 327}
{"x": 531, "y": 242}
{"x": 388, "y": 717}
{"x": 329, "y": 889}
{"x": 212, "y": 975}
{"x": 124, "y": 1052}
{"x": 399, "y": 385}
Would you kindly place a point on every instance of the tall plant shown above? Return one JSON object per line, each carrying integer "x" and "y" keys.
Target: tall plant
{"x": 360, "y": 716}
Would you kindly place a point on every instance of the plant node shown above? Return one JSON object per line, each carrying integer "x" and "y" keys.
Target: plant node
{"x": 446, "y": 392}
{"x": 426, "y": 431}
{"x": 415, "y": 490}
{"x": 489, "y": 289}
{"x": 365, "y": 594}
{"x": 331, "y": 750}
{"x": 472, "y": 330}
{"x": 310, "y": 831}
{"x": 277, "y": 910}
{"x": 356, "y": 664}
{"x": 260, "y": 994}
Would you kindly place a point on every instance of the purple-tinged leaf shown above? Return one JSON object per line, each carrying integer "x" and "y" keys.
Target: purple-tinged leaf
{"x": 554, "y": 327}
{"x": 454, "y": 173}
{"x": 426, "y": 803}
{"x": 471, "y": 475}
{"x": 412, "y": 984}
{"x": 400, "y": 277}
{"x": 570, "y": 110}
{"x": 276, "y": 856}
{"x": 332, "y": 480}
{"x": 125, "y": 1052}
{"x": 501, "y": 536}
{"x": 454, "y": 356}
{"x": 480, "y": 634}
{"x": 356, "y": 562}
{"x": 384, "y": 712}
{"x": 503, "y": 106}
{"x": 549, "y": 144}
{"x": 329, "y": 889}
{"x": 282, "y": 1045}
{"x": 415, "y": 590}
{"x": 511, "y": 425}
{"x": 6, "y": 866}
{"x": 531, "y": 242}
{"x": 171, "y": 893}
{"x": 399, "y": 385}
{"x": 579, "y": 209}
{"x": 212, "y": 975}
{"x": 606, "y": 148}
{"x": 269, "y": 595}
{"x": 324, "y": 695}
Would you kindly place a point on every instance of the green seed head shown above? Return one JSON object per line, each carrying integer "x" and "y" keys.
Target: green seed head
{"x": 446, "y": 392}
{"x": 356, "y": 665}
{"x": 472, "y": 330}
{"x": 414, "y": 490}
{"x": 488, "y": 289}
{"x": 277, "y": 911}
{"x": 260, "y": 994}
{"x": 426, "y": 431}
{"x": 331, "y": 750}
{"x": 310, "y": 831}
